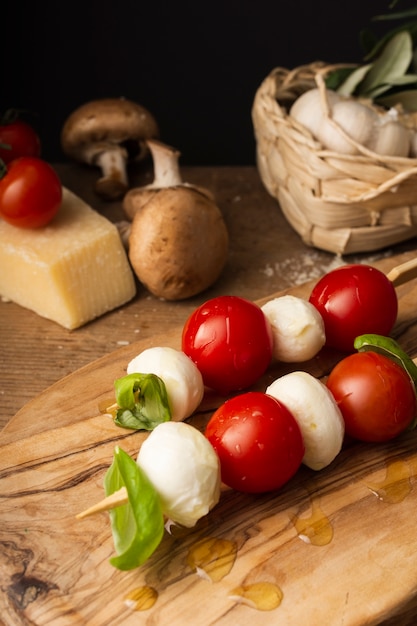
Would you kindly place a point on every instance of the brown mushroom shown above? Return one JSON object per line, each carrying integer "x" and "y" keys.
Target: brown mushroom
{"x": 109, "y": 133}
{"x": 178, "y": 243}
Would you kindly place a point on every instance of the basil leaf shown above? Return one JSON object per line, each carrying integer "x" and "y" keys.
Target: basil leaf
{"x": 390, "y": 348}
{"x": 353, "y": 80}
{"x": 407, "y": 79}
{"x": 394, "y": 61}
{"x": 337, "y": 77}
{"x": 138, "y": 526}
{"x": 142, "y": 400}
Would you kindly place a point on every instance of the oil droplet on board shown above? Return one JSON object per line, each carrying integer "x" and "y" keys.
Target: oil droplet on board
{"x": 141, "y": 598}
{"x": 263, "y": 596}
{"x": 396, "y": 485}
{"x": 108, "y": 406}
{"x": 315, "y": 529}
{"x": 212, "y": 558}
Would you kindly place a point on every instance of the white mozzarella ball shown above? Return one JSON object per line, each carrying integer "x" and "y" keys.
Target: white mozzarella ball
{"x": 183, "y": 467}
{"x": 182, "y": 378}
{"x": 297, "y": 328}
{"x": 315, "y": 409}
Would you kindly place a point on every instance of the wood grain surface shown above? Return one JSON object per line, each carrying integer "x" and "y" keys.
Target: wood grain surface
{"x": 266, "y": 255}
{"x": 336, "y": 547}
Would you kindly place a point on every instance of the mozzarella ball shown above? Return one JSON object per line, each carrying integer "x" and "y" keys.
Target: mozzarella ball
{"x": 182, "y": 378}
{"x": 297, "y": 328}
{"x": 318, "y": 416}
{"x": 184, "y": 469}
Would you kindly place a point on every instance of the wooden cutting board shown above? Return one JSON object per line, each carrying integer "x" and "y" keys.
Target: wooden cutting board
{"x": 332, "y": 547}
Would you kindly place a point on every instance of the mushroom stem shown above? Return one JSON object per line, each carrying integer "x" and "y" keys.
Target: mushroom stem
{"x": 166, "y": 176}
{"x": 124, "y": 227}
{"x": 166, "y": 165}
{"x": 113, "y": 182}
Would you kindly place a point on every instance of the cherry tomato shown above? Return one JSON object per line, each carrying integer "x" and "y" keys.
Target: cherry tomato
{"x": 22, "y": 139}
{"x": 354, "y": 300}
{"x": 258, "y": 442}
{"x": 230, "y": 340}
{"x": 375, "y": 395}
{"x": 30, "y": 193}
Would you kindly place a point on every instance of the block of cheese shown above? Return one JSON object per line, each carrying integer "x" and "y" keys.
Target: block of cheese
{"x": 71, "y": 271}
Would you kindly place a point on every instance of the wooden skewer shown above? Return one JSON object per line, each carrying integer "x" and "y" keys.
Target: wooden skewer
{"x": 111, "y": 502}
{"x": 403, "y": 273}
{"x": 398, "y": 276}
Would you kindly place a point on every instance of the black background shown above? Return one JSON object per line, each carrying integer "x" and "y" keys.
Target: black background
{"x": 194, "y": 65}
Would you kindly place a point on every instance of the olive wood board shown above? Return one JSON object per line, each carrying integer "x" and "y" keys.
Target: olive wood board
{"x": 340, "y": 545}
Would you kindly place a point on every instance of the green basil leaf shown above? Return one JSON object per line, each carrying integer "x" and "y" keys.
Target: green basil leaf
{"x": 394, "y": 61}
{"x": 138, "y": 526}
{"x": 407, "y": 79}
{"x": 142, "y": 400}
{"x": 373, "y": 45}
{"x": 337, "y": 77}
{"x": 353, "y": 80}
{"x": 375, "y": 93}
{"x": 390, "y": 348}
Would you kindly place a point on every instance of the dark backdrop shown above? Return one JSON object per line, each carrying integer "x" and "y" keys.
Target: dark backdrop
{"x": 195, "y": 65}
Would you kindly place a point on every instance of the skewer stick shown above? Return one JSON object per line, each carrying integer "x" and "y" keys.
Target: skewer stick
{"x": 398, "y": 276}
{"x": 403, "y": 273}
{"x": 111, "y": 502}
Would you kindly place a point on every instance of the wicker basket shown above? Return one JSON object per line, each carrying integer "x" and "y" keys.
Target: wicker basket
{"x": 340, "y": 203}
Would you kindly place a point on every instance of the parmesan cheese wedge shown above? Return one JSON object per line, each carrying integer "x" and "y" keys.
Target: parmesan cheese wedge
{"x": 71, "y": 271}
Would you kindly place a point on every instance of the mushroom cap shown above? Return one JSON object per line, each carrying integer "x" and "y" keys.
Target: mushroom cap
{"x": 101, "y": 124}
{"x": 178, "y": 244}
{"x": 136, "y": 198}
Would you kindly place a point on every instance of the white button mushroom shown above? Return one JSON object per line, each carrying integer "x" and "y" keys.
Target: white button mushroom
{"x": 184, "y": 469}
{"x": 183, "y": 380}
{"x": 320, "y": 419}
{"x": 108, "y": 133}
{"x": 297, "y": 328}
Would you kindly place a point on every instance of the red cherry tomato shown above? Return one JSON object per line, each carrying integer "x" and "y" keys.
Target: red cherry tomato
{"x": 354, "y": 300}
{"x": 258, "y": 442}
{"x": 375, "y": 395}
{"x": 22, "y": 139}
{"x": 30, "y": 193}
{"x": 230, "y": 340}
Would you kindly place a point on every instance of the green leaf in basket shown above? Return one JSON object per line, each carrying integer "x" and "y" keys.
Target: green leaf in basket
{"x": 348, "y": 87}
{"x": 394, "y": 61}
{"x": 373, "y": 45}
{"x": 337, "y": 77}
{"x": 407, "y": 79}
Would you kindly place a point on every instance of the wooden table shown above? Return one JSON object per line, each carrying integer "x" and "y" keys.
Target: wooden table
{"x": 54, "y": 568}
{"x": 266, "y": 256}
